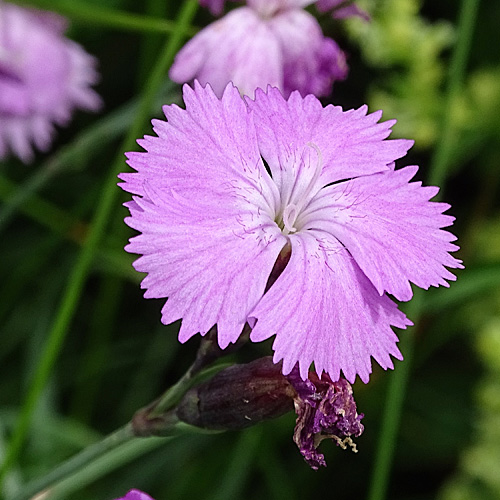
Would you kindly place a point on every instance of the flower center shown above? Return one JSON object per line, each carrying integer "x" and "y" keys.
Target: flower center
{"x": 289, "y": 217}
{"x": 303, "y": 182}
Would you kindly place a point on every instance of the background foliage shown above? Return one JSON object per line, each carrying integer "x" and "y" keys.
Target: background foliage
{"x": 81, "y": 350}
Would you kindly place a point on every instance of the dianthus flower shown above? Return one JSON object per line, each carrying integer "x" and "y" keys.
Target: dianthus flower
{"x": 43, "y": 78}
{"x": 231, "y": 184}
{"x": 135, "y": 495}
{"x": 267, "y": 42}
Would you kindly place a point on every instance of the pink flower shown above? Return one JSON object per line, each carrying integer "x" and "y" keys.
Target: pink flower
{"x": 231, "y": 184}
{"x": 135, "y": 495}
{"x": 271, "y": 42}
{"x": 43, "y": 78}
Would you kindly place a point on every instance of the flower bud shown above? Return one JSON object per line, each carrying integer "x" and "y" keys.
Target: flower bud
{"x": 135, "y": 495}
{"x": 243, "y": 395}
{"x": 238, "y": 396}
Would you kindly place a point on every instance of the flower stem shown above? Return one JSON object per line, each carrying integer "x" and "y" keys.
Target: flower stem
{"x": 120, "y": 447}
{"x": 84, "y": 261}
{"x": 393, "y": 409}
{"x": 100, "y": 467}
{"x": 458, "y": 64}
{"x": 77, "y": 462}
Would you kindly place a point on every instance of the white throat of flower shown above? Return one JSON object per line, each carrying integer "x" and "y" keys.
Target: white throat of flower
{"x": 299, "y": 198}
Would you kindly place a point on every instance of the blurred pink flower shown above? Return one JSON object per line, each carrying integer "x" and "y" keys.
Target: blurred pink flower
{"x": 135, "y": 495}
{"x": 43, "y": 78}
{"x": 230, "y": 185}
{"x": 267, "y": 42}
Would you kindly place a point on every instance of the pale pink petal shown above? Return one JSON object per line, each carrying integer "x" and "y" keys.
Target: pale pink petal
{"x": 323, "y": 310}
{"x": 82, "y": 75}
{"x": 390, "y": 228}
{"x": 263, "y": 7}
{"x": 12, "y": 100}
{"x": 210, "y": 148}
{"x": 208, "y": 241}
{"x": 212, "y": 267}
{"x": 351, "y": 142}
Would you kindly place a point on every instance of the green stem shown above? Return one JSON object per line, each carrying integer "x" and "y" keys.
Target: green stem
{"x": 115, "y": 450}
{"x": 173, "y": 395}
{"x": 190, "y": 378}
{"x": 109, "y": 296}
{"x": 118, "y": 449}
{"x": 151, "y": 42}
{"x": 102, "y": 466}
{"x": 438, "y": 171}
{"x": 458, "y": 64}
{"x": 78, "y": 462}
{"x": 82, "y": 267}
{"x": 108, "y": 454}
{"x": 97, "y": 15}
{"x": 391, "y": 418}
{"x": 41, "y": 211}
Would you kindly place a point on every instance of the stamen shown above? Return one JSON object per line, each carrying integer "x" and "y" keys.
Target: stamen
{"x": 299, "y": 196}
{"x": 289, "y": 217}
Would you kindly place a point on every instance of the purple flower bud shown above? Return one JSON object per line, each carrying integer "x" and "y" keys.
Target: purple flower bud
{"x": 325, "y": 409}
{"x": 237, "y": 397}
{"x": 135, "y": 495}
